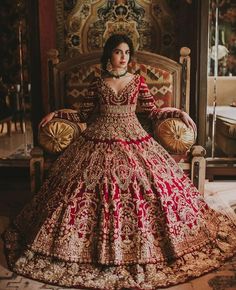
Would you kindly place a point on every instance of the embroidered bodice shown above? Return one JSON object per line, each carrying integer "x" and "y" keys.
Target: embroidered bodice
{"x": 102, "y": 97}
{"x": 126, "y": 96}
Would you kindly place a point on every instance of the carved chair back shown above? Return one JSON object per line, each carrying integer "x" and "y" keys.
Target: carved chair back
{"x": 168, "y": 80}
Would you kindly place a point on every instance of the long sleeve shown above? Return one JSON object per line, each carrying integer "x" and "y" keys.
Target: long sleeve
{"x": 147, "y": 104}
{"x": 87, "y": 109}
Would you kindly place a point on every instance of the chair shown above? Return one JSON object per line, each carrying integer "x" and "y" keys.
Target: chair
{"x": 168, "y": 81}
{"x": 5, "y": 110}
{"x": 8, "y": 121}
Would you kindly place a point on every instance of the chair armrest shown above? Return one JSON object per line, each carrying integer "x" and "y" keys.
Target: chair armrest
{"x": 174, "y": 135}
{"x": 58, "y": 134}
{"x": 178, "y": 139}
{"x": 54, "y": 138}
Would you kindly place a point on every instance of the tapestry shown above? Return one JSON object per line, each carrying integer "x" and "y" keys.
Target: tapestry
{"x": 87, "y": 24}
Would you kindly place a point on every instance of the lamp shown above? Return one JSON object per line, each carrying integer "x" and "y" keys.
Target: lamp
{"x": 221, "y": 53}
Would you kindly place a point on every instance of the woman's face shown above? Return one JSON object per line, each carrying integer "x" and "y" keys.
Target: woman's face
{"x": 120, "y": 56}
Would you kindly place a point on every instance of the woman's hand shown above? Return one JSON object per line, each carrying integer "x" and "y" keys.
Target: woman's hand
{"x": 187, "y": 120}
{"x": 170, "y": 112}
{"x": 46, "y": 119}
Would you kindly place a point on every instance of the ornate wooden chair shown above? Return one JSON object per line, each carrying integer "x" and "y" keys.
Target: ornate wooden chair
{"x": 169, "y": 83}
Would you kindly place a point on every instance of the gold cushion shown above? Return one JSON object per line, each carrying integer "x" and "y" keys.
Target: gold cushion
{"x": 174, "y": 135}
{"x": 58, "y": 134}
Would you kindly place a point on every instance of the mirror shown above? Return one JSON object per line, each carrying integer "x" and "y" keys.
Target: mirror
{"x": 221, "y": 97}
{"x": 15, "y": 86}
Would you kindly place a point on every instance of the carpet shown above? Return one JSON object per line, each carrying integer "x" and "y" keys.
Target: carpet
{"x": 221, "y": 196}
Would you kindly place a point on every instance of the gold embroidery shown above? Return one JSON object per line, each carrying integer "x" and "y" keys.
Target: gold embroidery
{"x": 117, "y": 110}
{"x": 117, "y": 212}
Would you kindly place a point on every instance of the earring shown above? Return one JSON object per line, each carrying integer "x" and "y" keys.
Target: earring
{"x": 109, "y": 66}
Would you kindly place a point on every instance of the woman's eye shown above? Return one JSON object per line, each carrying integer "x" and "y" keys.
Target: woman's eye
{"x": 120, "y": 52}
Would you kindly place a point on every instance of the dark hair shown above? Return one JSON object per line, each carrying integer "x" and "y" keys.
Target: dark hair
{"x": 112, "y": 42}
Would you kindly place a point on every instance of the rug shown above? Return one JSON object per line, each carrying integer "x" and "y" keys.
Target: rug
{"x": 221, "y": 196}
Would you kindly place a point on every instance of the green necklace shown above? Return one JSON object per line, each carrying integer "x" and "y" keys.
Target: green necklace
{"x": 117, "y": 76}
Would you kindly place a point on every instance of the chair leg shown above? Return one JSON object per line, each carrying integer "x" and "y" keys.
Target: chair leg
{"x": 36, "y": 169}
{"x": 2, "y": 127}
{"x": 15, "y": 123}
{"x": 198, "y": 172}
{"x": 9, "y": 128}
{"x": 22, "y": 126}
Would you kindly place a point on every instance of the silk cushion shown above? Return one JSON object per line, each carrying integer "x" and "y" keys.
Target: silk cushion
{"x": 58, "y": 134}
{"x": 174, "y": 135}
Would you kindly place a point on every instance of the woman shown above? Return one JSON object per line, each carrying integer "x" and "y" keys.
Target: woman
{"x": 117, "y": 211}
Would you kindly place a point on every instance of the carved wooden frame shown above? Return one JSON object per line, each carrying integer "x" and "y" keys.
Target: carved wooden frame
{"x": 179, "y": 71}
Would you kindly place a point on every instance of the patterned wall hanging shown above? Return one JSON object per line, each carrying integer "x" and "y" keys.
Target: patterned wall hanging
{"x": 83, "y": 26}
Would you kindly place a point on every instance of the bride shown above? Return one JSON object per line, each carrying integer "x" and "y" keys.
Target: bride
{"x": 116, "y": 211}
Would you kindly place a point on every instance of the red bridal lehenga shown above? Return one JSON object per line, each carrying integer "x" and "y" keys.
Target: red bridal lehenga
{"x": 117, "y": 211}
